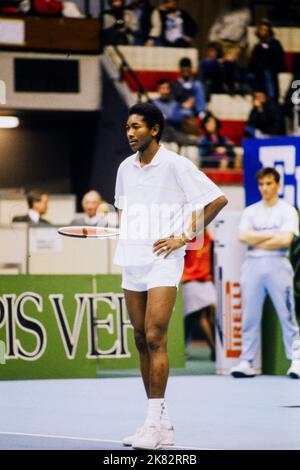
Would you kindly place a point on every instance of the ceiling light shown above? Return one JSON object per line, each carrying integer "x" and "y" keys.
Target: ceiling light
{"x": 9, "y": 122}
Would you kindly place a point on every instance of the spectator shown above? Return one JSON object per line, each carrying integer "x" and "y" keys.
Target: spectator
{"x": 173, "y": 115}
{"x": 210, "y": 69}
{"x": 221, "y": 73}
{"x": 266, "y": 117}
{"x": 199, "y": 293}
{"x": 38, "y": 205}
{"x": 216, "y": 149}
{"x": 187, "y": 86}
{"x": 267, "y": 61}
{"x": 230, "y": 30}
{"x": 90, "y": 203}
{"x": 178, "y": 27}
{"x": 231, "y": 76}
{"x": 119, "y": 24}
{"x": 148, "y": 23}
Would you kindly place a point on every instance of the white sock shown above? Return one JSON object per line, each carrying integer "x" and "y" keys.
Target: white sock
{"x": 155, "y": 410}
{"x": 165, "y": 419}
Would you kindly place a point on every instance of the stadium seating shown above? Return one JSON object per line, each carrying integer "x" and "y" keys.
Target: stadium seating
{"x": 152, "y": 64}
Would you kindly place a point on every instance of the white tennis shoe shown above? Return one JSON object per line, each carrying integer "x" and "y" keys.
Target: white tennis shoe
{"x": 243, "y": 369}
{"x": 148, "y": 438}
{"x": 167, "y": 436}
{"x": 294, "y": 370}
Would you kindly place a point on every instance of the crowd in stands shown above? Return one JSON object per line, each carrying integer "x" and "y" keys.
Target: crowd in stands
{"x": 139, "y": 23}
{"x": 188, "y": 122}
{"x": 226, "y": 68}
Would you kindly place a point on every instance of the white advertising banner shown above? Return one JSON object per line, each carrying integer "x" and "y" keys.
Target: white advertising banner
{"x": 12, "y": 31}
{"x": 229, "y": 256}
{"x": 45, "y": 240}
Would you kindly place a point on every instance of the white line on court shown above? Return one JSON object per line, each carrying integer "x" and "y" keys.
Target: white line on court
{"x": 89, "y": 439}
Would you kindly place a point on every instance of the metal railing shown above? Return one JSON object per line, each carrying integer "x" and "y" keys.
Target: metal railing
{"x": 125, "y": 67}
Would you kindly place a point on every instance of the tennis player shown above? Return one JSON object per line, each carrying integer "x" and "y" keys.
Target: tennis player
{"x": 153, "y": 186}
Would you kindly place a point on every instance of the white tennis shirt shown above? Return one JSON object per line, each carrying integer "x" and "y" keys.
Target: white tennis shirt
{"x": 282, "y": 217}
{"x": 155, "y": 200}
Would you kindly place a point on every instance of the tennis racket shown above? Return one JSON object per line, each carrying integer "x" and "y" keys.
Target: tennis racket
{"x": 88, "y": 232}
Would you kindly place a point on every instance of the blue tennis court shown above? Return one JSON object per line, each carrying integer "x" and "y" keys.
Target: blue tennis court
{"x": 209, "y": 412}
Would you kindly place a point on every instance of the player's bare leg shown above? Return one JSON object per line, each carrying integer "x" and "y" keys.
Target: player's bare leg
{"x": 136, "y": 305}
{"x": 160, "y": 304}
{"x": 150, "y": 314}
{"x": 158, "y": 429}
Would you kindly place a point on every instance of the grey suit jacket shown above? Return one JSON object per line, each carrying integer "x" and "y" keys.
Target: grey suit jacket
{"x": 27, "y": 219}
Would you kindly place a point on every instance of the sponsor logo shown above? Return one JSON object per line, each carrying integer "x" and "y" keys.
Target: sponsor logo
{"x": 16, "y": 315}
{"x": 233, "y": 319}
{"x": 283, "y": 159}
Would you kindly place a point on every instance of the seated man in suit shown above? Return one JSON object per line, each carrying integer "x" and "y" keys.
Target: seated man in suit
{"x": 38, "y": 205}
{"x": 90, "y": 204}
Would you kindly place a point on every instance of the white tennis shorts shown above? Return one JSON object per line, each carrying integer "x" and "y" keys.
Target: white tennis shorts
{"x": 160, "y": 273}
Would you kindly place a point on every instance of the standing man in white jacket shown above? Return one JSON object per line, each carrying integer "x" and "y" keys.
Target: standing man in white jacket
{"x": 268, "y": 228}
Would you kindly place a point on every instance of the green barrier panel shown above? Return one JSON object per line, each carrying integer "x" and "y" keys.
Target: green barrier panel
{"x": 274, "y": 361}
{"x": 70, "y": 327}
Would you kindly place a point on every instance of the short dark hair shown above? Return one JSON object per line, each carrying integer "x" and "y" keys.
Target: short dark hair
{"x": 151, "y": 114}
{"x": 217, "y": 47}
{"x": 34, "y": 195}
{"x": 266, "y": 172}
{"x": 265, "y": 22}
{"x": 207, "y": 117}
{"x": 111, "y": 2}
{"x": 260, "y": 89}
{"x": 162, "y": 81}
{"x": 185, "y": 62}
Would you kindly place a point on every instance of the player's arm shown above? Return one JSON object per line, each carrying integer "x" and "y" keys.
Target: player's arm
{"x": 252, "y": 237}
{"x": 200, "y": 220}
{"x": 213, "y": 208}
{"x": 277, "y": 241}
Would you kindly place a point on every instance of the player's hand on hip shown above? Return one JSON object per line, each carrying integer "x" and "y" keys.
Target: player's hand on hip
{"x": 165, "y": 246}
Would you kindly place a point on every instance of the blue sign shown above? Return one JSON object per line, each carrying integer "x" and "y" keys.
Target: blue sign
{"x": 282, "y": 153}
